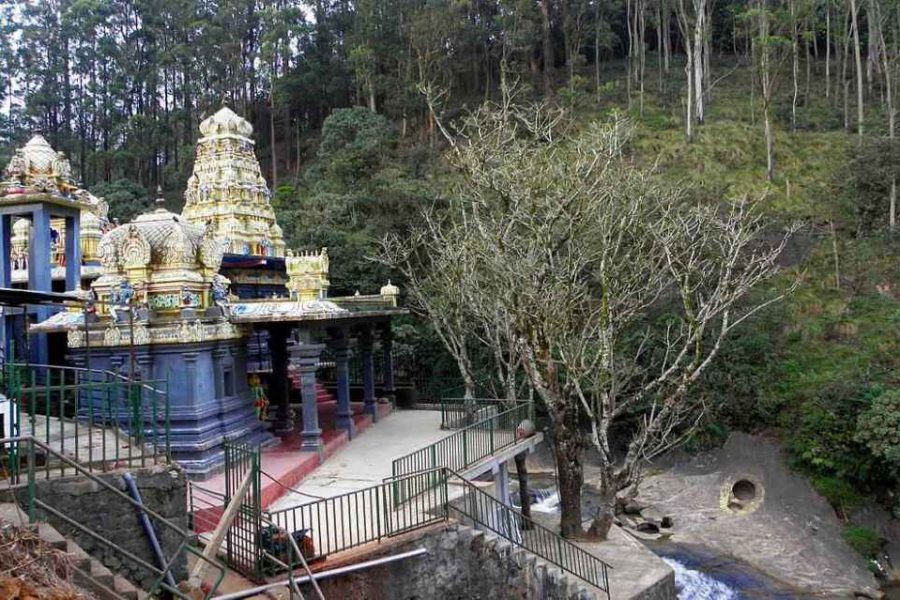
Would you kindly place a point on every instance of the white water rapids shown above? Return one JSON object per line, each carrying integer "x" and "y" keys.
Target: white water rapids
{"x": 690, "y": 583}
{"x": 694, "y": 585}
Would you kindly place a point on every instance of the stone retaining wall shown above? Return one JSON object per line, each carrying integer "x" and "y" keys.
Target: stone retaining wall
{"x": 163, "y": 490}
{"x": 463, "y": 563}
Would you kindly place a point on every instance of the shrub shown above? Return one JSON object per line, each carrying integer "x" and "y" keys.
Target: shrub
{"x": 840, "y": 494}
{"x": 878, "y": 427}
{"x": 863, "y": 540}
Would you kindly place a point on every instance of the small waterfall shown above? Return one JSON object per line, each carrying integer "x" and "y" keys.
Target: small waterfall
{"x": 546, "y": 501}
{"x": 694, "y": 585}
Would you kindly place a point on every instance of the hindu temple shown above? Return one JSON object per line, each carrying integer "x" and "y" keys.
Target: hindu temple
{"x": 209, "y": 300}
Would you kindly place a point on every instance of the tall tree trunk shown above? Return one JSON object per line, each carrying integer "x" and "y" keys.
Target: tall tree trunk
{"x": 698, "y": 44}
{"x": 547, "y": 44}
{"x": 795, "y": 62}
{"x": 827, "y": 48}
{"x": 859, "y": 70}
{"x": 568, "y": 448}
{"x": 597, "y": 49}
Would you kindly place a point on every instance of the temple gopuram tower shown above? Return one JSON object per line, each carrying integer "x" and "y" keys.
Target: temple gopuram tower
{"x": 228, "y": 191}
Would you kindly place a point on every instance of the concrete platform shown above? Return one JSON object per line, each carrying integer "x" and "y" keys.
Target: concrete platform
{"x": 367, "y": 460}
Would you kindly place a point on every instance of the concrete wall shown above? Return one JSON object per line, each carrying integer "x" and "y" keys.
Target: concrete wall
{"x": 461, "y": 563}
{"x": 163, "y": 490}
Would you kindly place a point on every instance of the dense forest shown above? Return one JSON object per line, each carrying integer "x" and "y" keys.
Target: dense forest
{"x": 791, "y": 102}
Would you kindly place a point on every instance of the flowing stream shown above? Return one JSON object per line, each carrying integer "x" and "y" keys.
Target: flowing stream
{"x": 699, "y": 573}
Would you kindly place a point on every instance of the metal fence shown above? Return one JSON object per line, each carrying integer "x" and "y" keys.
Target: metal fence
{"x": 457, "y": 413}
{"x": 459, "y": 450}
{"x": 41, "y": 507}
{"x": 97, "y": 418}
{"x": 364, "y": 516}
{"x": 482, "y": 510}
{"x": 242, "y": 549}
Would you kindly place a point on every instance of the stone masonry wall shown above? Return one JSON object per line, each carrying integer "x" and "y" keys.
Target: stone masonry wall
{"x": 163, "y": 490}
{"x": 464, "y": 564}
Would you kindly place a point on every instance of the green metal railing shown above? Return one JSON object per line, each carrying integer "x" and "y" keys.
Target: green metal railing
{"x": 364, "y": 516}
{"x": 332, "y": 525}
{"x": 40, "y": 507}
{"x": 242, "y": 548}
{"x": 99, "y": 419}
{"x": 457, "y": 413}
{"x": 459, "y": 450}
{"x": 482, "y": 510}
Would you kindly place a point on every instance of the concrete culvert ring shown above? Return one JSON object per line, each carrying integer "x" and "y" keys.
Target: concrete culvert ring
{"x": 741, "y": 495}
{"x": 744, "y": 490}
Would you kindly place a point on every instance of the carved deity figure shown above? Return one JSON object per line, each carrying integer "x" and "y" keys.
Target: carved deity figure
{"x": 17, "y": 167}
{"x": 220, "y": 292}
{"x": 120, "y": 299}
{"x": 62, "y": 170}
{"x": 187, "y": 298}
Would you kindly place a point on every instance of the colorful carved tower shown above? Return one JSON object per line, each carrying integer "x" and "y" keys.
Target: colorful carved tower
{"x": 228, "y": 191}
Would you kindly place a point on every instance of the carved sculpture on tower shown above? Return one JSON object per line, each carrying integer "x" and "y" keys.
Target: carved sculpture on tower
{"x": 228, "y": 191}
{"x": 307, "y": 275}
{"x": 37, "y": 169}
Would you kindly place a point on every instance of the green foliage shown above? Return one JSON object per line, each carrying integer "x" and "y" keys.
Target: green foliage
{"x": 878, "y": 427}
{"x": 354, "y": 143}
{"x": 823, "y": 437}
{"x": 840, "y": 494}
{"x": 869, "y": 170}
{"x": 863, "y": 540}
{"x": 126, "y": 199}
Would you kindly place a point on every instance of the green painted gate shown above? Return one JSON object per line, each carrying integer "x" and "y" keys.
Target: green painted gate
{"x": 243, "y": 552}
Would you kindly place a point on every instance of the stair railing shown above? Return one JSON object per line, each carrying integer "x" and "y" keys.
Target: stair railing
{"x": 461, "y": 449}
{"x": 486, "y": 512}
{"x": 34, "y": 503}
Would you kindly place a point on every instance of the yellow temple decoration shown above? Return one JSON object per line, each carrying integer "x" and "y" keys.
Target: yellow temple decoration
{"x": 307, "y": 275}
{"x": 162, "y": 261}
{"x": 228, "y": 191}
{"x": 37, "y": 169}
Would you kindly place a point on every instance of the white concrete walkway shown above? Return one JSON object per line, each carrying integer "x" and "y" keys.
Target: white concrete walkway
{"x": 366, "y": 461}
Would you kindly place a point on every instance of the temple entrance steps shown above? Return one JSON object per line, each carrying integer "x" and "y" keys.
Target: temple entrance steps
{"x": 88, "y": 573}
{"x": 285, "y": 465}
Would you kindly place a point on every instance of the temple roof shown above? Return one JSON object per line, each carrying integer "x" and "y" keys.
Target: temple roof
{"x": 39, "y": 153}
{"x": 225, "y": 122}
{"x": 160, "y": 240}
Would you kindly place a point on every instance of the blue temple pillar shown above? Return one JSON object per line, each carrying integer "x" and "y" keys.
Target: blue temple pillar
{"x": 279, "y": 386}
{"x": 387, "y": 361}
{"x": 366, "y": 341}
{"x": 307, "y": 359}
{"x": 341, "y": 352}
{"x": 5, "y": 281}
{"x": 5, "y": 251}
{"x": 73, "y": 254}
{"x": 39, "y": 276}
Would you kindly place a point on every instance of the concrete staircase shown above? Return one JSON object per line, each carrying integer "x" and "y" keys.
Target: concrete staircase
{"x": 89, "y": 573}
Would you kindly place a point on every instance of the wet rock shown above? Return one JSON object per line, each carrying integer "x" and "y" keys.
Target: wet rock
{"x": 648, "y": 527}
{"x": 633, "y": 507}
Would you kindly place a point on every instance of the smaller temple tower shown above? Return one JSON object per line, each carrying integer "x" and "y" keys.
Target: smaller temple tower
{"x": 41, "y": 219}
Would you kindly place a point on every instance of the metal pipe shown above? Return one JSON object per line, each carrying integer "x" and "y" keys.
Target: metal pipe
{"x": 325, "y": 574}
{"x": 148, "y": 528}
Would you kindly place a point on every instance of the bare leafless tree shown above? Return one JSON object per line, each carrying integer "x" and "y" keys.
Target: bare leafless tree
{"x": 569, "y": 251}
